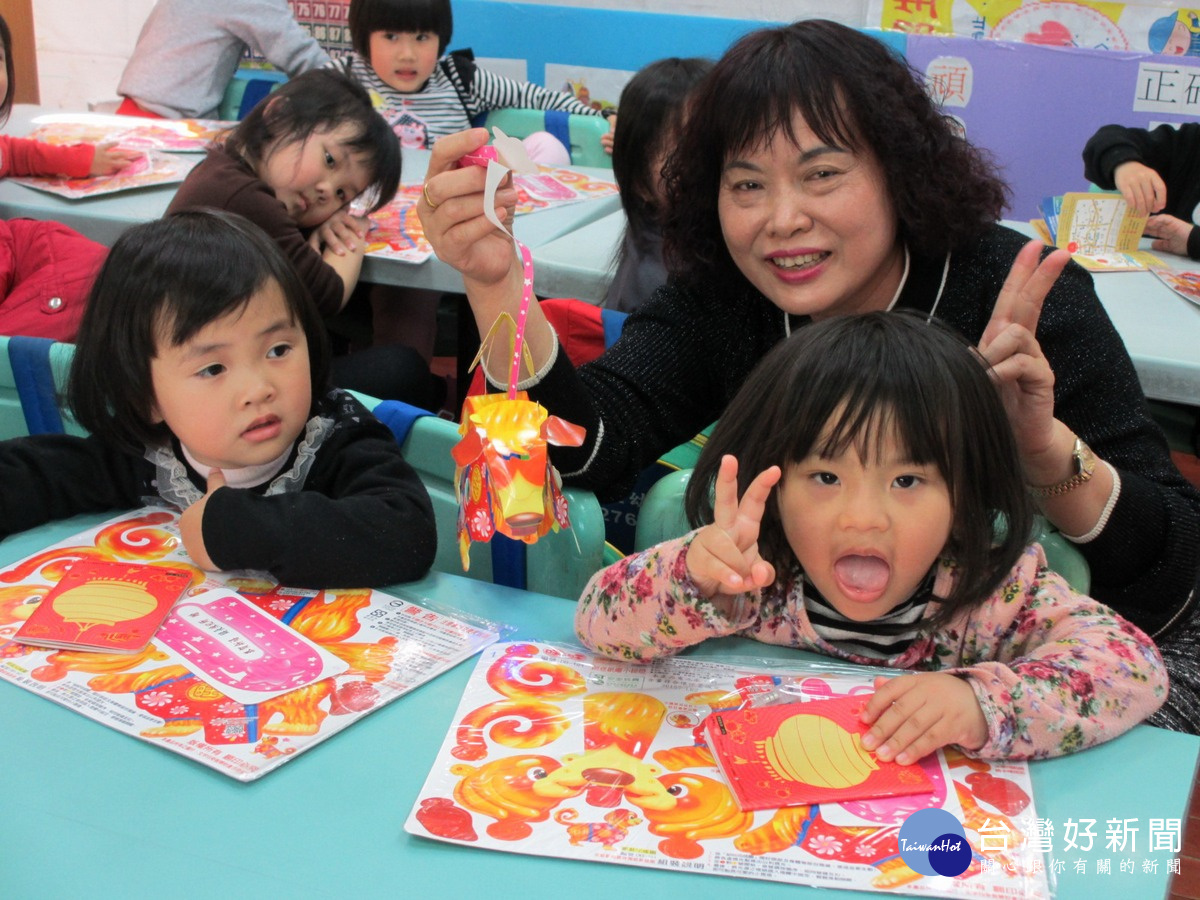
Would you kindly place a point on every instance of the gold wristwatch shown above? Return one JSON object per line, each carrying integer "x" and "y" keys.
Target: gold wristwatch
{"x": 1085, "y": 465}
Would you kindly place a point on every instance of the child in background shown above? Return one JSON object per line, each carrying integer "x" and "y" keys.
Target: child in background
{"x": 425, "y": 93}
{"x": 1156, "y": 172}
{"x": 894, "y": 461}
{"x": 292, "y": 167}
{"x": 188, "y": 51}
{"x": 46, "y": 268}
{"x": 653, "y": 107}
{"x": 201, "y": 372}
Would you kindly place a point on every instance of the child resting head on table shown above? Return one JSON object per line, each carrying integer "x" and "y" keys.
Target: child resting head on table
{"x": 201, "y": 373}
{"x": 293, "y": 167}
{"x": 883, "y": 519}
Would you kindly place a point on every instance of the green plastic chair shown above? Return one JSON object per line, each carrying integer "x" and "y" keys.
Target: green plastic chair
{"x": 558, "y": 564}
{"x": 33, "y": 377}
{"x": 585, "y": 131}
{"x": 246, "y": 88}
{"x": 662, "y": 518}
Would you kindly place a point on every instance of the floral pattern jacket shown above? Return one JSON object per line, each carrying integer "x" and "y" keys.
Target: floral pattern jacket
{"x": 1054, "y": 671}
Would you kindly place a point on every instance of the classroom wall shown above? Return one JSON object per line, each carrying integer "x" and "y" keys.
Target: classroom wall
{"x": 1032, "y": 106}
{"x": 81, "y": 53}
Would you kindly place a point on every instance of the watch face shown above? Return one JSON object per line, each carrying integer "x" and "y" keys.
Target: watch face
{"x": 1085, "y": 459}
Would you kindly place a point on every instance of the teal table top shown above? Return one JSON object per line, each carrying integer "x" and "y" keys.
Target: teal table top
{"x": 95, "y": 813}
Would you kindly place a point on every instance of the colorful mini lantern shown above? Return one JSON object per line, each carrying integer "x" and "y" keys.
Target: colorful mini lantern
{"x": 504, "y": 480}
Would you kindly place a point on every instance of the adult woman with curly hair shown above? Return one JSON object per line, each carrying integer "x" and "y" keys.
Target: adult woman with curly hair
{"x": 815, "y": 178}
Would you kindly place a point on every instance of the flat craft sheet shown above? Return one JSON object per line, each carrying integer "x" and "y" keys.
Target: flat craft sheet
{"x": 129, "y": 132}
{"x": 372, "y": 648}
{"x": 555, "y": 752}
{"x": 396, "y": 230}
{"x": 150, "y": 169}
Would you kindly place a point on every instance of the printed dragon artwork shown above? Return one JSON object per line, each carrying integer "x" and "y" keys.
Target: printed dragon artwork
{"x": 172, "y": 693}
{"x": 513, "y": 781}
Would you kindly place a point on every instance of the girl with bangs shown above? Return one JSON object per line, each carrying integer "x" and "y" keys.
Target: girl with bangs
{"x": 875, "y": 467}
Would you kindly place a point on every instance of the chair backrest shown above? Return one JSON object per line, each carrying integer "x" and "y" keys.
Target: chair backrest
{"x": 580, "y": 135}
{"x": 558, "y": 564}
{"x": 33, "y": 377}
{"x": 662, "y": 518}
{"x": 245, "y": 89}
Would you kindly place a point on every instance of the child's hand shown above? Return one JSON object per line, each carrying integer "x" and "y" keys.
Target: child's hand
{"x": 913, "y": 715}
{"x": 606, "y": 139}
{"x": 723, "y": 557}
{"x": 1142, "y": 187}
{"x": 342, "y": 233}
{"x": 192, "y": 519}
{"x": 109, "y": 158}
{"x": 1170, "y": 234}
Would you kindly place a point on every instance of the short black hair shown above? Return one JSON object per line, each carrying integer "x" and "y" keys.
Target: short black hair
{"x": 847, "y": 382}
{"x": 651, "y": 113}
{"x": 854, "y": 93}
{"x": 177, "y": 273}
{"x": 7, "y": 102}
{"x": 316, "y": 100}
{"x": 369, "y": 16}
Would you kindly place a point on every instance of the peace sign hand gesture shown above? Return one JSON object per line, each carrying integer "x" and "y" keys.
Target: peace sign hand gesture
{"x": 1010, "y": 347}
{"x": 723, "y": 557}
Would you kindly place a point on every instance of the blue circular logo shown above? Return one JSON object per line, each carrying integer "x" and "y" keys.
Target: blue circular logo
{"x": 932, "y": 842}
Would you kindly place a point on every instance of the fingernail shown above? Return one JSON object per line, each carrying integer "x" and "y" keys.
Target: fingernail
{"x": 869, "y": 740}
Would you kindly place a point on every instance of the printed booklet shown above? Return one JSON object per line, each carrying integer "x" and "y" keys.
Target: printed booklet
{"x": 244, "y": 674}
{"x": 556, "y": 752}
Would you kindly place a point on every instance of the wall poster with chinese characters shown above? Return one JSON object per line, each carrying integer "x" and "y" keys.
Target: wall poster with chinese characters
{"x": 555, "y": 752}
{"x": 1091, "y": 24}
{"x": 240, "y": 680}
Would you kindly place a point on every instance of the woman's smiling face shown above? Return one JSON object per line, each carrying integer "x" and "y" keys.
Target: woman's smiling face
{"x": 811, "y": 225}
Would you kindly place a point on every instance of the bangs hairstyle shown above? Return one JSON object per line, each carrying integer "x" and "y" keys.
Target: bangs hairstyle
{"x": 322, "y": 100}
{"x": 164, "y": 281}
{"x": 369, "y": 16}
{"x": 849, "y": 382}
{"x": 652, "y": 107}
{"x": 854, "y": 93}
{"x": 7, "y": 102}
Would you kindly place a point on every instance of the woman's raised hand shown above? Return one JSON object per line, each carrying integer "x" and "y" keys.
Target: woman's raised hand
{"x": 723, "y": 557}
{"x": 451, "y": 212}
{"x": 1010, "y": 347}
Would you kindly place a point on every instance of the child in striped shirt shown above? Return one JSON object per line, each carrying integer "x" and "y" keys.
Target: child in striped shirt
{"x": 424, "y": 92}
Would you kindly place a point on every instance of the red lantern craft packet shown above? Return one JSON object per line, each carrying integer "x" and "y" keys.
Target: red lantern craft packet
{"x": 794, "y": 754}
{"x": 110, "y": 606}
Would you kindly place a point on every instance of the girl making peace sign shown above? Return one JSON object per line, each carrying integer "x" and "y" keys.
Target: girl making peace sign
{"x": 873, "y": 460}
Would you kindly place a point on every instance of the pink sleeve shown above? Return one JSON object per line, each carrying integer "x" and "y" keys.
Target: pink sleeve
{"x": 646, "y": 606}
{"x": 1055, "y": 671}
{"x": 21, "y": 156}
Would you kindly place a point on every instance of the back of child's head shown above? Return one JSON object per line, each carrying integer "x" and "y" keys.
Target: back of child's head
{"x": 322, "y": 100}
{"x": 369, "y": 16}
{"x": 164, "y": 281}
{"x": 846, "y": 384}
{"x": 652, "y": 110}
{"x": 7, "y": 101}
